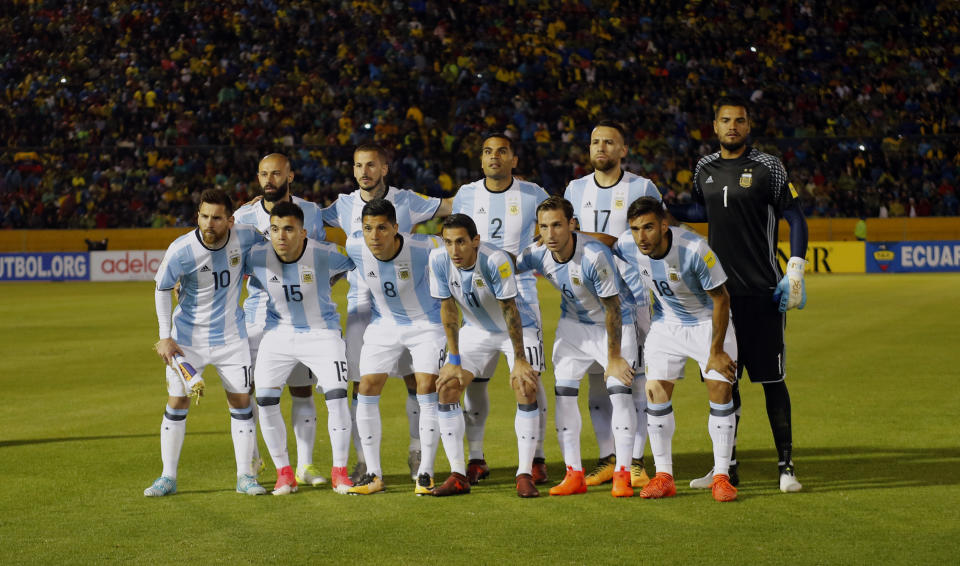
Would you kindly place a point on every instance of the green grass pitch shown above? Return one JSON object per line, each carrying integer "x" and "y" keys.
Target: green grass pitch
{"x": 872, "y": 368}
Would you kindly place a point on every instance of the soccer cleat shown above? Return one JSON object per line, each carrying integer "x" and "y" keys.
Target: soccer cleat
{"x": 788, "y": 480}
{"x": 286, "y": 483}
{"x": 247, "y": 484}
{"x": 359, "y": 470}
{"x": 539, "y": 471}
{"x": 638, "y": 474}
{"x": 413, "y": 460}
{"x": 368, "y": 485}
{"x": 477, "y": 470}
{"x": 339, "y": 480}
{"x": 311, "y": 476}
{"x": 722, "y": 490}
{"x": 526, "y": 487}
{"x": 573, "y": 483}
{"x": 603, "y": 472}
{"x": 706, "y": 482}
{"x": 660, "y": 486}
{"x": 161, "y": 486}
{"x": 456, "y": 484}
{"x": 621, "y": 483}
{"x": 424, "y": 485}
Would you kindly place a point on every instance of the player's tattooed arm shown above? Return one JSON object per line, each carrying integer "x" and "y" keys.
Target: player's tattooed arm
{"x": 719, "y": 360}
{"x": 617, "y": 366}
{"x": 523, "y": 377}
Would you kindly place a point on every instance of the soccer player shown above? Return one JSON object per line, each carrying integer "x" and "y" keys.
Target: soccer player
{"x": 302, "y": 326}
{"x": 481, "y": 279}
{"x": 370, "y": 168}
{"x": 207, "y": 329}
{"x": 691, "y": 315}
{"x": 504, "y": 210}
{"x": 600, "y": 201}
{"x": 595, "y": 328}
{"x": 405, "y": 320}
{"x": 745, "y": 192}
{"x": 275, "y": 176}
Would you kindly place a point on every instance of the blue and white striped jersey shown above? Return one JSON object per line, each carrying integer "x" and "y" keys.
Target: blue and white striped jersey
{"x": 582, "y": 280}
{"x": 255, "y": 305}
{"x": 680, "y": 279}
{"x": 506, "y": 219}
{"x": 208, "y": 311}
{"x": 604, "y": 209}
{"x": 345, "y": 213}
{"x": 298, "y": 292}
{"x": 400, "y": 287}
{"x": 480, "y": 289}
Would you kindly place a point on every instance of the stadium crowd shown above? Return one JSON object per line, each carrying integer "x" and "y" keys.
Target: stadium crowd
{"x": 119, "y": 114}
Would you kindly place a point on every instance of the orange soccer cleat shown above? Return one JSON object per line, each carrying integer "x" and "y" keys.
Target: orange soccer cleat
{"x": 621, "y": 483}
{"x": 722, "y": 489}
{"x": 572, "y": 484}
{"x": 339, "y": 479}
{"x": 660, "y": 486}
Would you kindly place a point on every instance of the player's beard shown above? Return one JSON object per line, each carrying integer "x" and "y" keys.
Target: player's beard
{"x": 735, "y": 146}
{"x": 278, "y": 194}
{"x": 376, "y": 187}
{"x": 610, "y": 166}
{"x": 211, "y": 238}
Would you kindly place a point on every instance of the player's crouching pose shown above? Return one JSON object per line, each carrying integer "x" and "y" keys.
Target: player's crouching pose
{"x": 595, "y": 327}
{"x": 405, "y": 319}
{"x": 481, "y": 279}
{"x": 302, "y": 326}
{"x": 691, "y": 319}
{"x": 207, "y": 330}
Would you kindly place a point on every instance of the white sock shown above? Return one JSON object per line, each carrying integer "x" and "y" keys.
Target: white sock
{"x": 623, "y": 421}
{"x": 476, "y": 406}
{"x": 273, "y": 428}
{"x": 569, "y": 425}
{"x": 527, "y": 425}
{"x": 338, "y": 425}
{"x": 640, "y": 403}
{"x": 660, "y": 426}
{"x": 256, "y": 423}
{"x": 357, "y": 445}
{"x": 244, "y": 433}
{"x": 413, "y": 419}
{"x": 722, "y": 423}
{"x": 451, "y": 424}
{"x": 601, "y": 414}
{"x": 173, "y": 428}
{"x": 303, "y": 413}
{"x": 429, "y": 432}
{"x": 369, "y": 428}
{"x": 541, "y": 420}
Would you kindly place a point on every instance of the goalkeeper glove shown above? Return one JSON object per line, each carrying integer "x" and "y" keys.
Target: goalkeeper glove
{"x": 192, "y": 379}
{"x": 791, "y": 291}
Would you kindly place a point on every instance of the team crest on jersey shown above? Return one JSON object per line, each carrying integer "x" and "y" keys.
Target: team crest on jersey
{"x": 306, "y": 277}
{"x": 514, "y": 209}
{"x": 478, "y": 283}
{"x": 618, "y": 203}
{"x": 674, "y": 276}
{"x": 234, "y": 258}
{"x": 746, "y": 179}
{"x": 404, "y": 274}
{"x": 575, "y": 280}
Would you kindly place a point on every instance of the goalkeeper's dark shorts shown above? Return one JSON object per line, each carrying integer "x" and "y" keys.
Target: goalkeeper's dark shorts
{"x": 759, "y": 326}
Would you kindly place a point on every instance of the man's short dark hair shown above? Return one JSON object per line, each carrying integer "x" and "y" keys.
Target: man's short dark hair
{"x": 500, "y": 136}
{"x": 557, "y": 203}
{"x": 731, "y": 101}
{"x": 615, "y": 125}
{"x": 460, "y": 221}
{"x": 217, "y": 196}
{"x": 645, "y": 205}
{"x": 380, "y": 207}
{"x": 376, "y": 148}
{"x": 285, "y": 209}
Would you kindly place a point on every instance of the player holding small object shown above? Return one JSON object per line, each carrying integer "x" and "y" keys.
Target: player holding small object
{"x": 595, "y": 328}
{"x": 370, "y": 167}
{"x": 207, "y": 329}
{"x": 691, "y": 315}
{"x": 745, "y": 192}
{"x": 275, "y": 176}
{"x": 481, "y": 279}
{"x": 600, "y": 201}
{"x": 406, "y": 320}
{"x": 504, "y": 210}
{"x": 302, "y": 326}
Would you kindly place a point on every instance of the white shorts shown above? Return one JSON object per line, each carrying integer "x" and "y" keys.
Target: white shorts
{"x": 669, "y": 345}
{"x": 322, "y": 351}
{"x": 356, "y": 326}
{"x": 231, "y": 360}
{"x": 581, "y": 348}
{"x": 385, "y": 344}
{"x": 300, "y": 375}
{"x": 480, "y": 350}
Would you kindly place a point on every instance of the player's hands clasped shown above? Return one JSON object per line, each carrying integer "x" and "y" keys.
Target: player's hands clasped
{"x": 620, "y": 369}
{"x": 723, "y": 364}
{"x": 450, "y": 376}
{"x": 523, "y": 378}
{"x": 166, "y": 348}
